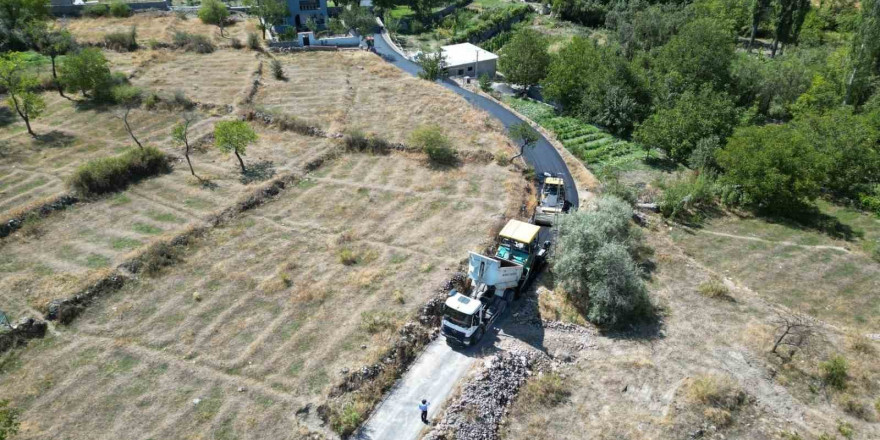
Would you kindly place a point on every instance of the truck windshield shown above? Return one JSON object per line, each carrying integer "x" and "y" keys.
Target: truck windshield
{"x": 457, "y": 317}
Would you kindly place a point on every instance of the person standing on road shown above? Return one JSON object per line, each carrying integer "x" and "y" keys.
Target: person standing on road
{"x": 423, "y": 407}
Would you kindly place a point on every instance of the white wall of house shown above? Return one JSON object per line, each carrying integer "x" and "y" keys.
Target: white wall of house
{"x": 473, "y": 69}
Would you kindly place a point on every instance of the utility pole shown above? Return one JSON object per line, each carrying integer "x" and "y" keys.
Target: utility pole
{"x": 477, "y": 63}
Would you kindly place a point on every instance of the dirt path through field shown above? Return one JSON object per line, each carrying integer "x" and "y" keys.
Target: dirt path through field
{"x": 783, "y": 243}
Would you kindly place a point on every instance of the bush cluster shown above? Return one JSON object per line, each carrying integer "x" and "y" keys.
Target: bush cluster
{"x": 123, "y": 41}
{"x": 433, "y": 141}
{"x": 192, "y": 42}
{"x": 359, "y": 142}
{"x": 109, "y": 174}
{"x": 492, "y": 20}
{"x": 120, "y": 9}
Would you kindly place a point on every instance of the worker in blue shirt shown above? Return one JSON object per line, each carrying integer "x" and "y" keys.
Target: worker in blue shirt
{"x": 423, "y": 407}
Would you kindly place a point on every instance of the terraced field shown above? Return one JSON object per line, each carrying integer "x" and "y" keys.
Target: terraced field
{"x": 289, "y": 295}
{"x": 61, "y": 254}
{"x": 370, "y": 95}
{"x": 588, "y": 143}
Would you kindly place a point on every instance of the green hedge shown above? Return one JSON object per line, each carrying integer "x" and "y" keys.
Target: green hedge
{"x": 109, "y": 174}
{"x": 501, "y": 19}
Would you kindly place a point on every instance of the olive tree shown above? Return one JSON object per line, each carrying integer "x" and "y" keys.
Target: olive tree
{"x": 594, "y": 263}
{"x": 234, "y": 136}
{"x": 20, "y": 87}
{"x": 525, "y": 59}
{"x": 85, "y": 72}
{"x": 53, "y": 43}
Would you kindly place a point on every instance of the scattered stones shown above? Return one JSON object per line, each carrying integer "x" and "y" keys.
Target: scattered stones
{"x": 41, "y": 210}
{"x": 242, "y": 389}
{"x": 483, "y": 402}
{"x": 197, "y": 296}
{"x": 197, "y": 401}
{"x": 363, "y": 346}
{"x": 18, "y": 334}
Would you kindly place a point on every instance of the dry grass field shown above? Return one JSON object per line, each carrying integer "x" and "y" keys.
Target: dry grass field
{"x": 373, "y": 97}
{"x": 707, "y": 369}
{"x": 156, "y": 25}
{"x": 262, "y": 314}
{"x": 289, "y": 293}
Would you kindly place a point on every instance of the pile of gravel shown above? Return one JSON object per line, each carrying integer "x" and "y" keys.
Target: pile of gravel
{"x": 483, "y": 402}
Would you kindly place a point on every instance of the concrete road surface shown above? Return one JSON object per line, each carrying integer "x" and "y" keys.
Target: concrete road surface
{"x": 433, "y": 376}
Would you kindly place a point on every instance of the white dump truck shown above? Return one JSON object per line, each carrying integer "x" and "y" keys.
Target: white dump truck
{"x": 493, "y": 283}
{"x": 551, "y": 203}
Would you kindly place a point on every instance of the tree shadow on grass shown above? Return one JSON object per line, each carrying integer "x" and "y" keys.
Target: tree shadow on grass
{"x": 810, "y": 218}
{"x": 661, "y": 164}
{"x": 258, "y": 172}
{"x": 55, "y": 139}
{"x": 7, "y": 116}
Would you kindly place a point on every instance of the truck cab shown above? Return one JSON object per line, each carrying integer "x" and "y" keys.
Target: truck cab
{"x": 493, "y": 282}
{"x": 552, "y": 202}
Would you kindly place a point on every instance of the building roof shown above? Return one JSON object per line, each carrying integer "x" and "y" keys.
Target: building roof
{"x": 520, "y": 231}
{"x": 465, "y": 53}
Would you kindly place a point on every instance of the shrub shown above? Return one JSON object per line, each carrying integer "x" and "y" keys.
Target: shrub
{"x": 96, "y": 10}
{"x": 181, "y": 15}
{"x": 546, "y": 390}
{"x": 152, "y": 101}
{"x": 834, "y": 372}
{"x": 253, "y": 41}
{"x": 502, "y": 159}
{"x": 713, "y": 289}
{"x": 127, "y": 94}
{"x": 359, "y": 142}
{"x": 435, "y": 143}
{"x": 717, "y": 391}
{"x": 858, "y": 409}
{"x": 485, "y": 83}
{"x": 100, "y": 176}
{"x": 9, "y": 422}
{"x": 346, "y": 419}
{"x": 192, "y": 42}
{"x": 180, "y": 100}
{"x": 277, "y": 69}
{"x": 235, "y": 43}
{"x": 119, "y": 9}
{"x": 375, "y": 322}
{"x": 685, "y": 197}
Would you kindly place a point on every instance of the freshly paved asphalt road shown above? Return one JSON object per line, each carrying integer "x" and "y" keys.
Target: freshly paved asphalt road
{"x": 437, "y": 371}
{"x": 543, "y": 157}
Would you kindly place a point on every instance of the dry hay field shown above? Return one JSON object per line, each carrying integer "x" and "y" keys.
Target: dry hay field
{"x": 156, "y": 25}
{"x": 289, "y": 293}
{"x": 707, "y": 369}
{"x": 365, "y": 93}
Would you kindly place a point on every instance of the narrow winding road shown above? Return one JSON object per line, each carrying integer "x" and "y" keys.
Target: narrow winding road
{"x": 439, "y": 368}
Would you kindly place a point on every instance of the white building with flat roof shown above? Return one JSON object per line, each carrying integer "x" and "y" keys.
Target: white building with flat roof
{"x": 465, "y": 59}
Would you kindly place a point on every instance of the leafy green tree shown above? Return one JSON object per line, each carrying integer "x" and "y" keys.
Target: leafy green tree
{"x": 524, "y": 135}
{"x": 759, "y": 9}
{"x": 8, "y": 420}
{"x": 214, "y": 12}
{"x": 587, "y": 12}
{"x": 85, "y": 71}
{"x": 312, "y": 24}
{"x": 360, "y": 19}
{"x": 865, "y": 54}
{"x": 789, "y": 18}
{"x": 16, "y": 17}
{"x": 525, "y": 59}
{"x": 234, "y": 136}
{"x": 53, "y": 43}
{"x": 700, "y": 54}
{"x": 597, "y": 84}
{"x": 694, "y": 116}
{"x": 849, "y": 144}
{"x": 703, "y": 156}
{"x": 433, "y": 66}
{"x": 821, "y": 96}
{"x": 594, "y": 262}
{"x": 485, "y": 83}
{"x": 270, "y": 12}
{"x": 640, "y": 26}
{"x": 20, "y": 87}
{"x": 422, "y": 8}
{"x": 772, "y": 167}
{"x": 180, "y": 135}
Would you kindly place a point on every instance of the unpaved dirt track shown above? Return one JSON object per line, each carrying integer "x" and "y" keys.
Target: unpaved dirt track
{"x": 438, "y": 369}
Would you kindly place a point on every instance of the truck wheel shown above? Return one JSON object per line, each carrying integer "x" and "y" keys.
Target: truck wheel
{"x": 509, "y": 295}
{"x": 476, "y": 336}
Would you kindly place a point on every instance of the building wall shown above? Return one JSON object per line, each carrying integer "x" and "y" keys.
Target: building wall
{"x": 302, "y": 10}
{"x": 487, "y": 67}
